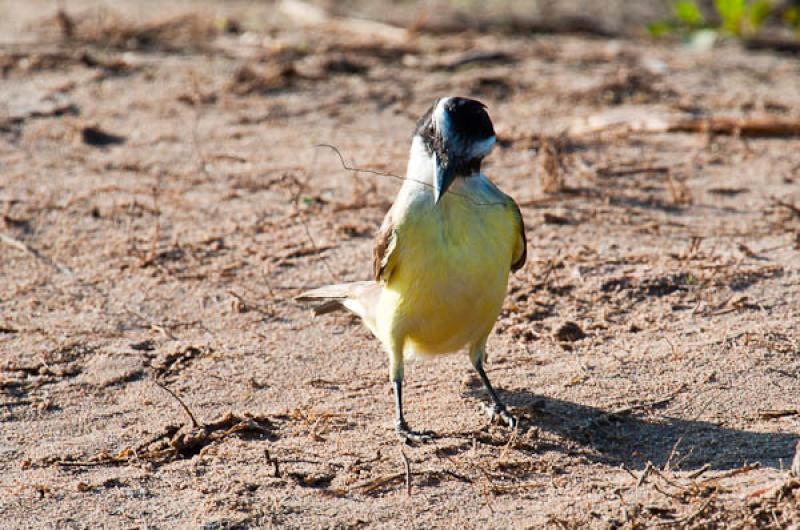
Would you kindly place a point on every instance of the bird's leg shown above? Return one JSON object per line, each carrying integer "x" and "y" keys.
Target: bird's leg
{"x": 497, "y": 408}
{"x": 402, "y": 428}
{"x": 400, "y": 422}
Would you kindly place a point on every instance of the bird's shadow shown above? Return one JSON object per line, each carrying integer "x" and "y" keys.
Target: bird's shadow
{"x": 633, "y": 440}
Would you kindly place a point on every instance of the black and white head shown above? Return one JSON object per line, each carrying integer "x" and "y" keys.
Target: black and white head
{"x": 457, "y": 134}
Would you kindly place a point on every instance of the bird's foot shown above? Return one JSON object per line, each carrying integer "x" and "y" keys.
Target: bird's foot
{"x": 406, "y": 434}
{"x": 499, "y": 411}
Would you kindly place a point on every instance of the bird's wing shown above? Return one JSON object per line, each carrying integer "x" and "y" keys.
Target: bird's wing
{"x": 385, "y": 243}
{"x": 521, "y": 242}
{"x": 521, "y": 247}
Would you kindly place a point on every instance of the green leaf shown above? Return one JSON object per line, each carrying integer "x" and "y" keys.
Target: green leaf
{"x": 732, "y": 13}
{"x": 687, "y": 12}
{"x": 757, "y": 12}
{"x": 659, "y": 29}
{"x": 792, "y": 17}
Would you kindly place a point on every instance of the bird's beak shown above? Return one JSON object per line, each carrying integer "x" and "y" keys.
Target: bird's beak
{"x": 444, "y": 178}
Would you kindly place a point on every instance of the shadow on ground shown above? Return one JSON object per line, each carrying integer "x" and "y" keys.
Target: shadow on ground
{"x": 632, "y": 440}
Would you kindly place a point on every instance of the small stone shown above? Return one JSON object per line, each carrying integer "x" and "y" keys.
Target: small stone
{"x": 570, "y": 332}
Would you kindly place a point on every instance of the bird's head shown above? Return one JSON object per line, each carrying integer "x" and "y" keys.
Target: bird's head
{"x": 457, "y": 134}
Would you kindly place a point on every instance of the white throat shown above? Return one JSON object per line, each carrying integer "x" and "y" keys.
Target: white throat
{"x": 421, "y": 166}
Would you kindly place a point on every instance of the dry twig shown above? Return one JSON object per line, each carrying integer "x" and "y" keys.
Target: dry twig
{"x": 407, "y": 466}
{"x": 196, "y": 424}
{"x": 637, "y": 119}
{"x": 19, "y": 245}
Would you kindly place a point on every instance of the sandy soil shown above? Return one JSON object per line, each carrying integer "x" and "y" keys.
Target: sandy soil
{"x": 163, "y": 200}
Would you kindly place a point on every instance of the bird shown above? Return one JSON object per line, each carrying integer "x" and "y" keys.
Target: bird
{"x": 443, "y": 255}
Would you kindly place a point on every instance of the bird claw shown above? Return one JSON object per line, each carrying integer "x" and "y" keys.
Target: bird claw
{"x": 499, "y": 411}
{"x": 409, "y": 436}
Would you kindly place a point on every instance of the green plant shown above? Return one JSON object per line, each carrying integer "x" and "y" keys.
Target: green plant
{"x": 792, "y": 17}
{"x": 688, "y": 13}
{"x": 737, "y": 18}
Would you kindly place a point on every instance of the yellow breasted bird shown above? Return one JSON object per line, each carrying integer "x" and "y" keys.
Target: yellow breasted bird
{"x": 443, "y": 254}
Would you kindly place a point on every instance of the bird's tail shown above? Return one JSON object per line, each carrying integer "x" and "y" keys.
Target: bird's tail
{"x": 359, "y": 297}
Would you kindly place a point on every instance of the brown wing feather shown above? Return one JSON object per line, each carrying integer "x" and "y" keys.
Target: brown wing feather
{"x": 524, "y": 256}
{"x": 383, "y": 246}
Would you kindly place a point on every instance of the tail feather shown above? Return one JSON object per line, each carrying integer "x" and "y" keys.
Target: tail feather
{"x": 359, "y": 297}
{"x": 339, "y": 291}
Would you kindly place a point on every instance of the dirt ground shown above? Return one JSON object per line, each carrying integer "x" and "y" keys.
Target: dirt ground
{"x": 163, "y": 198}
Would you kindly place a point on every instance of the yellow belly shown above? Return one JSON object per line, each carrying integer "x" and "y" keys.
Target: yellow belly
{"x": 450, "y": 279}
